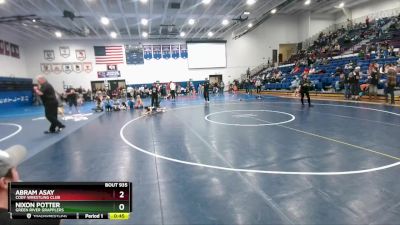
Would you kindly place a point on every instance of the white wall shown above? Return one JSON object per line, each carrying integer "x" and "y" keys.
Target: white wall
{"x": 11, "y": 66}
{"x": 303, "y": 23}
{"x": 256, "y": 47}
{"x": 371, "y": 7}
{"x": 248, "y": 51}
{"x": 162, "y": 70}
{"x": 312, "y": 24}
{"x": 319, "y": 23}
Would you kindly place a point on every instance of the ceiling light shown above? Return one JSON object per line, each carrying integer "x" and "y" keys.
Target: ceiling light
{"x": 246, "y": 13}
{"x": 206, "y": 1}
{"x": 210, "y": 34}
{"x": 250, "y": 25}
{"x": 2, "y": 1}
{"x": 144, "y": 22}
{"x": 273, "y": 11}
{"x": 58, "y": 34}
{"x": 307, "y": 2}
{"x": 182, "y": 34}
{"x": 145, "y": 34}
{"x": 113, "y": 35}
{"x": 250, "y": 2}
{"x": 341, "y": 5}
{"x": 143, "y": 1}
{"x": 225, "y": 22}
{"x": 191, "y": 21}
{"x": 105, "y": 20}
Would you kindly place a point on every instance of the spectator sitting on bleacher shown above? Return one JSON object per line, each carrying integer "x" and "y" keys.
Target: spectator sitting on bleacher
{"x": 295, "y": 70}
{"x": 312, "y": 70}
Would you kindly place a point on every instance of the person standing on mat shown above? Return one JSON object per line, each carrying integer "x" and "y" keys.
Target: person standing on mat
{"x": 50, "y": 103}
{"x": 305, "y": 85}
{"x": 172, "y": 88}
{"x": 206, "y": 91}
{"x": 154, "y": 95}
{"x": 258, "y": 86}
{"x": 72, "y": 99}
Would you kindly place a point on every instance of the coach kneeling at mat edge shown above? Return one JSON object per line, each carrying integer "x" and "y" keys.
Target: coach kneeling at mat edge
{"x": 9, "y": 160}
{"x": 49, "y": 99}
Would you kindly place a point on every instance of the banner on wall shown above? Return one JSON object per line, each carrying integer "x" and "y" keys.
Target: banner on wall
{"x": 67, "y": 67}
{"x": 134, "y": 54}
{"x": 2, "y": 47}
{"x": 183, "y": 50}
{"x": 166, "y": 51}
{"x": 78, "y": 67}
{"x": 109, "y": 74}
{"x": 45, "y": 67}
{"x": 175, "y": 51}
{"x": 112, "y": 67}
{"x": 15, "y": 51}
{"x": 157, "y": 51}
{"x": 49, "y": 55}
{"x": 80, "y": 54}
{"x": 88, "y": 67}
{"x": 64, "y": 51}
{"x": 147, "y": 52}
{"x": 7, "y": 50}
{"x": 56, "y": 68}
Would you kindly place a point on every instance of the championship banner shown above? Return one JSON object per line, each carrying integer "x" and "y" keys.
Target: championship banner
{"x": 2, "y": 47}
{"x": 12, "y": 50}
{"x": 80, "y": 54}
{"x": 184, "y": 52}
{"x": 15, "y": 51}
{"x": 45, "y": 67}
{"x": 87, "y": 67}
{"x": 166, "y": 51}
{"x": 147, "y": 52}
{"x": 157, "y": 51}
{"x": 7, "y": 50}
{"x": 56, "y": 68}
{"x": 64, "y": 51}
{"x": 67, "y": 68}
{"x": 175, "y": 51}
{"x": 49, "y": 55}
{"x": 78, "y": 67}
{"x": 109, "y": 74}
{"x": 134, "y": 54}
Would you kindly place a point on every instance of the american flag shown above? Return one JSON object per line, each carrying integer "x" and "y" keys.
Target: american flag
{"x": 109, "y": 54}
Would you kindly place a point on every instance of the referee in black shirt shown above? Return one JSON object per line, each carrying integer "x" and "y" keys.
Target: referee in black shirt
{"x": 206, "y": 90}
{"x": 49, "y": 99}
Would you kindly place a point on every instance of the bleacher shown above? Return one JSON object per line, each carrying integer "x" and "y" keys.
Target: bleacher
{"x": 326, "y": 79}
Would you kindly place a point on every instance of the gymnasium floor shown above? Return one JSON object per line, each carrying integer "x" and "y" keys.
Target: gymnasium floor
{"x": 238, "y": 160}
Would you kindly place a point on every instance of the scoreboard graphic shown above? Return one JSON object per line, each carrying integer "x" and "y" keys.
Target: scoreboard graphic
{"x": 70, "y": 200}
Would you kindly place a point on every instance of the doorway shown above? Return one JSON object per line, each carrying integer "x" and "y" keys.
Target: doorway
{"x": 110, "y": 85}
{"x": 215, "y": 79}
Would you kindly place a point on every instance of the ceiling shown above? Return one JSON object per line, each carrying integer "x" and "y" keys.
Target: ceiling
{"x": 164, "y": 21}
